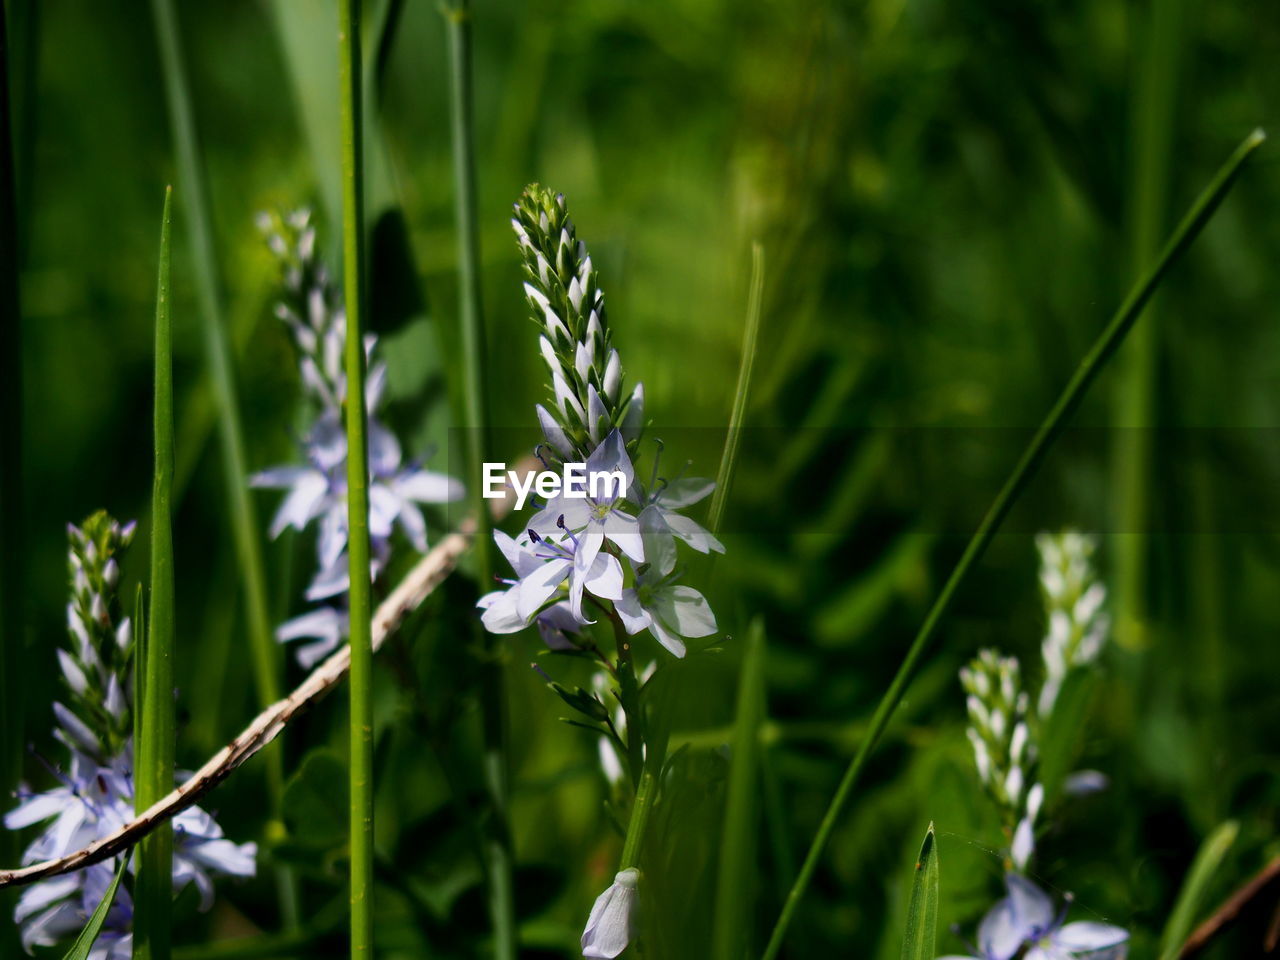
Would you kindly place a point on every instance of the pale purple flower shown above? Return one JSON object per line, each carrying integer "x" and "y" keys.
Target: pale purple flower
{"x": 611, "y": 923}
{"x": 1026, "y": 918}
{"x": 661, "y": 524}
{"x": 325, "y": 627}
{"x": 542, "y": 568}
{"x": 599, "y": 517}
{"x": 667, "y": 609}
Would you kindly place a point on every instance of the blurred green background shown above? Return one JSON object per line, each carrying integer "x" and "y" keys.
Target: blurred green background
{"x": 952, "y": 198}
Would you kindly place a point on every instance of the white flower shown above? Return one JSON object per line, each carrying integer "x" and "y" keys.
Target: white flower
{"x": 668, "y": 610}
{"x": 610, "y": 925}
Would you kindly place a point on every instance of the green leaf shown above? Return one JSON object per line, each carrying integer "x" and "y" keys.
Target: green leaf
{"x": 1212, "y": 852}
{"x": 585, "y": 703}
{"x": 154, "y": 731}
{"x": 84, "y": 943}
{"x": 920, "y": 941}
{"x": 315, "y": 801}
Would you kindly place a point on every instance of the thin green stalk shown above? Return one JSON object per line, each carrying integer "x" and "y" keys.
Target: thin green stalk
{"x": 498, "y": 854}
{"x": 12, "y": 512}
{"x": 1154, "y": 111}
{"x": 729, "y": 458}
{"x": 1106, "y": 344}
{"x": 154, "y": 743}
{"x": 244, "y": 523}
{"x": 361, "y": 601}
{"x": 658, "y": 736}
{"x": 736, "y": 876}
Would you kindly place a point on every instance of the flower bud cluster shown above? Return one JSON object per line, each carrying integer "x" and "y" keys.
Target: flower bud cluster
{"x": 97, "y": 666}
{"x": 587, "y": 398}
{"x": 1073, "y": 597}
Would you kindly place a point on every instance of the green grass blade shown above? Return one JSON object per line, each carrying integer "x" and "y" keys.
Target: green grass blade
{"x": 13, "y": 557}
{"x": 244, "y": 523}
{"x": 84, "y": 943}
{"x": 724, "y": 476}
{"x": 1108, "y": 341}
{"x": 361, "y": 609}
{"x": 1209, "y": 858}
{"x": 154, "y": 746}
{"x": 735, "y": 891}
{"x": 1153, "y": 116}
{"x": 476, "y": 419}
{"x": 920, "y": 942}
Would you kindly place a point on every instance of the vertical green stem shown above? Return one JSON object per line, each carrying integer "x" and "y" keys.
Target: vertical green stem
{"x": 353, "y": 260}
{"x": 498, "y": 854}
{"x": 154, "y": 746}
{"x": 244, "y": 524}
{"x": 1154, "y": 110}
{"x": 12, "y": 516}
{"x": 1101, "y": 351}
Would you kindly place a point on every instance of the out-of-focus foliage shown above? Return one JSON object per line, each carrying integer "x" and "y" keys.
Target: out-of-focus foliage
{"x": 941, "y": 189}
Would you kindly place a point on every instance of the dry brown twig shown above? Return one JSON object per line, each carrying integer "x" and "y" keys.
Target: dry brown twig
{"x": 1230, "y": 910}
{"x": 408, "y": 595}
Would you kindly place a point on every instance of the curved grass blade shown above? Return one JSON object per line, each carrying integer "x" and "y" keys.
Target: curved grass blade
{"x": 154, "y": 747}
{"x": 361, "y": 610}
{"x": 1190, "y": 898}
{"x": 734, "y": 891}
{"x": 921, "y": 938}
{"x": 84, "y": 943}
{"x": 724, "y": 476}
{"x": 1107, "y": 343}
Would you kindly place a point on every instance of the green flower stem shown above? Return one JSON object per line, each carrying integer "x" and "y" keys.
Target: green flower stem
{"x": 498, "y": 855}
{"x": 244, "y": 524}
{"x": 154, "y": 709}
{"x": 12, "y": 512}
{"x": 1106, "y": 344}
{"x": 361, "y": 720}
{"x": 658, "y": 736}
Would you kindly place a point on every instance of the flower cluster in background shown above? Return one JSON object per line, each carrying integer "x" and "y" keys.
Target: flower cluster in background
{"x": 94, "y": 795}
{"x": 1004, "y": 732}
{"x": 317, "y": 487}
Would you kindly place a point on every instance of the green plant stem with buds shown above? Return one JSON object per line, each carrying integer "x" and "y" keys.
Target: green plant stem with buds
{"x": 1101, "y": 351}
{"x": 497, "y": 842}
{"x": 154, "y": 709}
{"x": 361, "y": 609}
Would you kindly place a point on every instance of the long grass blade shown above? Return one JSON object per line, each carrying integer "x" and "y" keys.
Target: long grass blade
{"x": 470, "y": 315}
{"x": 920, "y": 942}
{"x": 1108, "y": 341}
{"x": 724, "y": 476}
{"x": 1196, "y": 886}
{"x": 154, "y": 747}
{"x": 1154, "y": 113}
{"x": 353, "y": 260}
{"x": 735, "y": 885}
{"x": 204, "y": 263}
{"x": 84, "y": 943}
{"x": 12, "y": 511}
